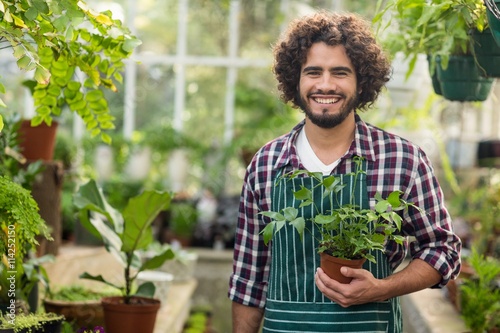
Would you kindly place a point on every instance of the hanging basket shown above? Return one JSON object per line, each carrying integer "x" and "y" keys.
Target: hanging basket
{"x": 487, "y": 53}
{"x": 461, "y": 80}
{"x": 493, "y": 17}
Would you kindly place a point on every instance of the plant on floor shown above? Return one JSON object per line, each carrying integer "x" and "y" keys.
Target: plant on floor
{"x": 480, "y": 304}
{"x": 347, "y": 232}
{"x": 124, "y": 233}
{"x": 58, "y": 39}
{"x": 32, "y": 322}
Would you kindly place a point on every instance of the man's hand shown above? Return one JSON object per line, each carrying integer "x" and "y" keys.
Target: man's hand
{"x": 364, "y": 288}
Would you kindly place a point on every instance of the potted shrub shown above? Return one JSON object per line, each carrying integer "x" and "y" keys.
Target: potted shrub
{"x": 53, "y": 40}
{"x": 441, "y": 29}
{"x": 480, "y": 294}
{"x": 348, "y": 234}
{"x": 32, "y": 323}
{"x": 124, "y": 234}
{"x": 80, "y": 306}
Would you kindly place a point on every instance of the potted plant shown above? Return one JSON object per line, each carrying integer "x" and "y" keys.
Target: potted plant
{"x": 80, "y": 306}
{"x": 348, "y": 234}
{"x": 441, "y": 29}
{"x": 480, "y": 294}
{"x": 124, "y": 234}
{"x": 42, "y": 322}
{"x": 54, "y": 40}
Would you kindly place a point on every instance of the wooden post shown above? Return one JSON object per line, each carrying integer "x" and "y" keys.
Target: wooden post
{"x": 47, "y": 191}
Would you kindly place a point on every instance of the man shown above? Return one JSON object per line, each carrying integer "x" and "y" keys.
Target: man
{"x": 330, "y": 67}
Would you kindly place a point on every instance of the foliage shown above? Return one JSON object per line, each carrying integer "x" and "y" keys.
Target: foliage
{"x": 480, "y": 304}
{"x": 347, "y": 231}
{"x": 433, "y": 27}
{"x": 75, "y": 293}
{"x": 27, "y": 323}
{"x": 124, "y": 233}
{"x": 12, "y": 162}
{"x": 58, "y": 40}
{"x": 20, "y": 224}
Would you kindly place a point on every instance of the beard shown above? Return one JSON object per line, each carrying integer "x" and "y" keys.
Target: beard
{"x": 326, "y": 120}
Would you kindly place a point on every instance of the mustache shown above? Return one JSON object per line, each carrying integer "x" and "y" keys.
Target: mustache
{"x": 329, "y": 92}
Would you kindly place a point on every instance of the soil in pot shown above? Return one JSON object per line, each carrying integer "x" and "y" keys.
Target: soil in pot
{"x": 139, "y": 316}
{"x": 331, "y": 266}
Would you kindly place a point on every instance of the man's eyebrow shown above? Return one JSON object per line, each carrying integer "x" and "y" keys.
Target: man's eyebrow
{"x": 335, "y": 69}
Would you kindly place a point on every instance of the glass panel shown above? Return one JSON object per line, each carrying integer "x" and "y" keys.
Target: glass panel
{"x": 208, "y": 23}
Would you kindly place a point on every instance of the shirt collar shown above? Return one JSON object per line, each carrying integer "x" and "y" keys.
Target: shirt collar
{"x": 361, "y": 146}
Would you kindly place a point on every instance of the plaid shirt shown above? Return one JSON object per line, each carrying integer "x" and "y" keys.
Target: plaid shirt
{"x": 392, "y": 164}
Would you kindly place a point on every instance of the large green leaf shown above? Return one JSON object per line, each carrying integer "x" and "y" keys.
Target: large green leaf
{"x": 158, "y": 260}
{"x": 90, "y": 197}
{"x": 138, "y": 216}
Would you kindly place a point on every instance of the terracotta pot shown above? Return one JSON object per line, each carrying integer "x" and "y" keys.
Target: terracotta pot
{"x": 78, "y": 313}
{"x": 37, "y": 143}
{"x": 331, "y": 266}
{"x": 139, "y": 316}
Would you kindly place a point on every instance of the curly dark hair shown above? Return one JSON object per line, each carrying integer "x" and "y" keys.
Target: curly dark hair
{"x": 372, "y": 66}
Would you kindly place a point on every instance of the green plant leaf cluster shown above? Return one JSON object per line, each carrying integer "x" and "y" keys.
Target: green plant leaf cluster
{"x": 347, "y": 231}
{"x": 432, "y": 27}
{"x": 480, "y": 303}
{"x": 27, "y": 323}
{"x": 73, "y": 52}
{"x": 124, "y": 233}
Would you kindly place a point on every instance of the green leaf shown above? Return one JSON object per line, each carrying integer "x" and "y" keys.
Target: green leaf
{"x": 290, "y": 213}
{"x": 268, "y": 232}
{"x": 130, "y": 44}
{"x": 303, "y": 194}
{"x": 98, "y": 278}
{"x": 147, "y": 289}
{"x": 382, "y": 206}
{"x": 394, "y": 198}
{"x": 138, "y": 216}
{"x": 299, "y": 224}
{"x": 273, "y": 215}
{"x": 158, "y": 260}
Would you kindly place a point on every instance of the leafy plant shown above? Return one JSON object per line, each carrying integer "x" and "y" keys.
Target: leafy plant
{"x": 348, "y": 231}
{"x": 12, "y": 161}
{"x": 76, "y": 293}
{"x": 480, "y": 304}
{"x": 28, "y": 323}
{"x": 57, "y": 40}
{"x": 436, "y": 27}
{"x": 20, "y": 224}
{"x": 124, "y": 233}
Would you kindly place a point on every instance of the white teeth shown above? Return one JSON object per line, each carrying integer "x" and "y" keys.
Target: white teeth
{"x": 326, "y": 100}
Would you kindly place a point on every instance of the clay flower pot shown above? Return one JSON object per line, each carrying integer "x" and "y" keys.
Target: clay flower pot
{"x": 331, "y": 266}
{"x": 138, "y": 316}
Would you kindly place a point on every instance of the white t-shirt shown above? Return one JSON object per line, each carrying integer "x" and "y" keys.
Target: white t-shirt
{"x": 309, "y": 159}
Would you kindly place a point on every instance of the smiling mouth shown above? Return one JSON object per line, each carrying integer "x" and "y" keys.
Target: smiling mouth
{"x": 326, "y": 100}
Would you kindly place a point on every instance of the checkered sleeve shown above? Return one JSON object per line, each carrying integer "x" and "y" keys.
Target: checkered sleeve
{"x": 248, "y": 282}
{"x": 435, "y": 243}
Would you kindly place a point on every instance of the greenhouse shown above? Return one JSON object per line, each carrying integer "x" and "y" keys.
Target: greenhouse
{"x": 175, "y": 166}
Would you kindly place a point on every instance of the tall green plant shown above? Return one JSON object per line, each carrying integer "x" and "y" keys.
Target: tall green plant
{"x": 124, "y": 233}
{"x": 72, "y": 51}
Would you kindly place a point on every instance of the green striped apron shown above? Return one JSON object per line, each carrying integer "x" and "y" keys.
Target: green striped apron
{"x": 294, "y": 303}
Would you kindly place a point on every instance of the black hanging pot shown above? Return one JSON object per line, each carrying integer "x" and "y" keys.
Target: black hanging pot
{"x": 488, "y": 154}
{"x": 461, "y": 80}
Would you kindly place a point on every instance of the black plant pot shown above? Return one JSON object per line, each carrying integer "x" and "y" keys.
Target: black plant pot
{"x": 488, "y": 154}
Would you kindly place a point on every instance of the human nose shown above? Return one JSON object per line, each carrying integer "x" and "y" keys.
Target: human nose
{"x": 326, "y": 82}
